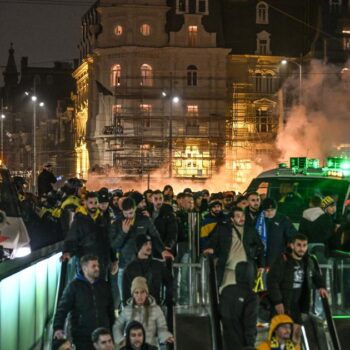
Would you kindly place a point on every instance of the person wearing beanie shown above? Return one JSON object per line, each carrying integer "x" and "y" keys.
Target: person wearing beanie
{"x": 104, "y": 206}
{"x": 317, "y": 223}
{"x": 143, "y": 308}
{"x": 139, "y": 200}
{"x": 135, "y": 337}
{"x": 123, "y": 235}
{"x": 275, "y": 229}
{"x": 210, "y": 221}
{"x": 154, "y": 270}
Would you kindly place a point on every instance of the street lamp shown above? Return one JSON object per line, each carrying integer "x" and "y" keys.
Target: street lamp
{"x": 300, "y": 67}
{"x": 2, "y": 136}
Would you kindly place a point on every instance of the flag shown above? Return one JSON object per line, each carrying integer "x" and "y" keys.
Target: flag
{"x": 103, "y": 90}
{"x": 261, "y": 228}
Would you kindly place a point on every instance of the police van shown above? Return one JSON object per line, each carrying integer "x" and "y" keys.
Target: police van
{"x": 292, "y": 186}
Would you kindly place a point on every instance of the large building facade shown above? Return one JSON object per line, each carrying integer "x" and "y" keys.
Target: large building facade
{"x": 193, "y": 87}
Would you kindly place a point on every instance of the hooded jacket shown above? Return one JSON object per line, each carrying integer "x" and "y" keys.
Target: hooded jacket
{"x": 239, "y": 309}
{"x": 145, "y": 345}
{"x": 316, "y": 225}
{"x": 151, "y": 317}
{"x": 91, "y": 306}
{"x": 272, "y": 342}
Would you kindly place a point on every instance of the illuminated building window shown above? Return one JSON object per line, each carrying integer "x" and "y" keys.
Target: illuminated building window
{"x": 146, "y": 110}
{"x": 145, "y": 29}
{"x": 192, "y": 110}
{"x": 118, "y": 30}
{"x": 116, "y": 73}
{"x": 264, "y": 120}
{"x": 192, "y": 75}
{"x": 116, "y": 110}
{"x": 181, "y": 6}
{"x": 263, "y": 43}
{"x": 192, "y": 36}
{"x": 262, "y": 13}
{"x": 146, "y": 75}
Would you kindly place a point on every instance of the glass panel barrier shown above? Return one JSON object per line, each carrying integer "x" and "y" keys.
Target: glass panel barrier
{"x": 28, "y": 289}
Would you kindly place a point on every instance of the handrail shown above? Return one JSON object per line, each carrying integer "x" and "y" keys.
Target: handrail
{"x": 327, "y": 310}
{"x": 214, "y": 302}
{"x": 10, "y": 267}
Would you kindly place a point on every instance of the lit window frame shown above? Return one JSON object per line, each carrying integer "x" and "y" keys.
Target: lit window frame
{"x": 116, "y": 32}
{"x": 146, "y": 75}
{"x": 192, "y": 35}
{"x": 116, "y": 74}
{"x": 145, "y": 29}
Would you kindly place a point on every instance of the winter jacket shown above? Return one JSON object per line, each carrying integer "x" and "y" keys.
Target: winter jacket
{"x": 156, "y": 274}
{"x": 124, "y": 243}
{"x": 239, "y": 309}
{"x": 69, "y": 206}
{"x": 155, "y": 325}
{"x": 208, "y": 225}
{"x": 182, "y": 219}
{"x": 317, "y": 225}
{"x": 251, "y": 217}
{"x": 88, "y": 235}
{"x": 91, "y": 306}
{"x": 271, "y": 342}
{"x": 280, "y": 231}
{"x": 221, "y": 241}
{"x": 281, "y": 277}
{"x": 166, "y": 225}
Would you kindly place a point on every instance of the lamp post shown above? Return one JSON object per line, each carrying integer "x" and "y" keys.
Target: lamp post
{"x": 300, "y": 67}
{"x": 2, "y": 116}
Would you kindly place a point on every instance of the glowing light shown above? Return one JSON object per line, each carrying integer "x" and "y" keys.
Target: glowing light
{"x": 3, "y": 116}
{"x": 26, "y": 93}
{"x": 34, "y": 98}
{"x": 164, "y": 94}
{"x": 41, "y": 104}
{"x": 284, "y": 62}
{"x": 176, "y": 99}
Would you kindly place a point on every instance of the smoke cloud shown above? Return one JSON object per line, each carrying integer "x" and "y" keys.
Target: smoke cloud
{"x": 321, "y": 122}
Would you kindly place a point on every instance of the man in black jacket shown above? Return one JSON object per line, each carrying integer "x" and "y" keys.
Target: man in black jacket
{"x": 155, "y": 271}
{"x": 88, "y": 234}
{"x": 233, "y": 242}
{"x": 239, "y": 309}
{"x": 164, "y": 219}
{"x": 291, "y": 279}
{"x": 253, "y": 209}
{"x": 45, "y": 180}
{"x": 89, "y": 301}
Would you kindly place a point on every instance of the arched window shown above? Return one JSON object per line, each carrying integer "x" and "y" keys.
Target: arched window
{"x": 116, "y": 73}
{"x": 262, "y": 13}
{"x": 258, "y": 82}
{"x": 146, "y": 75}
{"x": 118, "y": 30}
{"x": 145, "y": 29}
{"x": 192, "y": 75}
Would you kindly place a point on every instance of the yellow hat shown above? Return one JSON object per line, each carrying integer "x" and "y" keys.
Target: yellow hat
{"x": 139, "y": 283}
{"x": 327, "y": 202}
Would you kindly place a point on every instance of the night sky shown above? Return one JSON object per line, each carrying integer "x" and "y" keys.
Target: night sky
{"x": 43, "y": 30}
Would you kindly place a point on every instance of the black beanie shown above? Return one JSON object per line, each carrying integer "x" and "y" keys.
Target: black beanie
{"x": 137, "y": 197}
{"x": 268, "y": 203}
{"x": 141, "y": 240}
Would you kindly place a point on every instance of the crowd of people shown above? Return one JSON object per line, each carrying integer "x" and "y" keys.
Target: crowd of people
{"x": 121, "y": 243}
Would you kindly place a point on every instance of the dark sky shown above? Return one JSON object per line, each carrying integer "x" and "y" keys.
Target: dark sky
{"x": 43, "y": 30}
